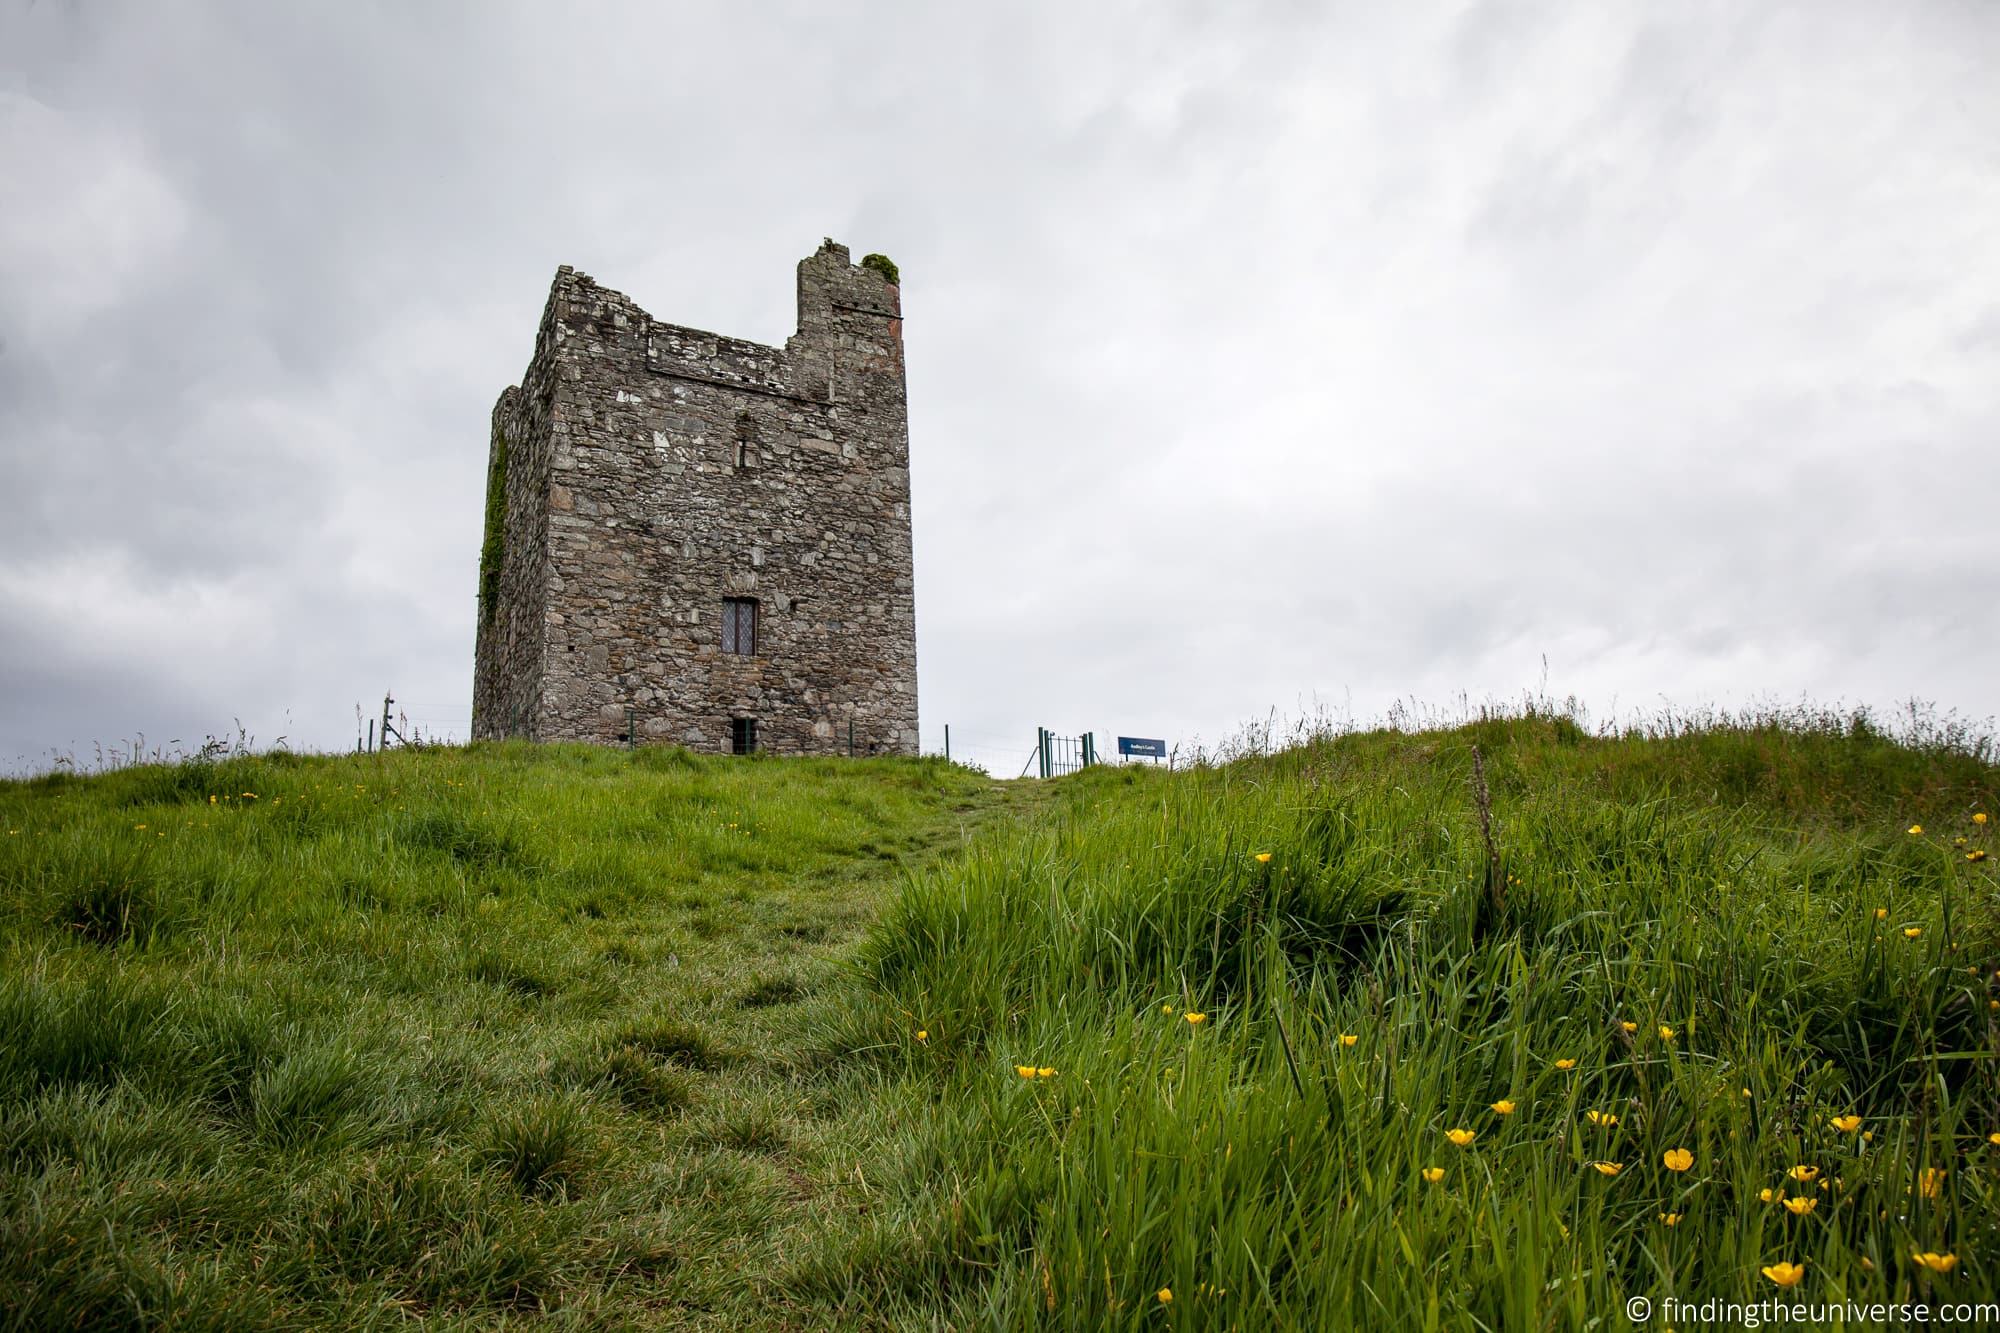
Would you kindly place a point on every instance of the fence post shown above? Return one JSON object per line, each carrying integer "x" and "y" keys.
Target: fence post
{"x": 947, "y": 742}
{"x": 387, "y": 699}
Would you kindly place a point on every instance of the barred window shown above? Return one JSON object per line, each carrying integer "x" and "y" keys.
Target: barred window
{"x": 742, "y": 735}
{"x": 739, "y": 625}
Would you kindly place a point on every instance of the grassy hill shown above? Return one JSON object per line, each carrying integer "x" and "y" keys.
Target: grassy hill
{"x": 588, "y": 1038}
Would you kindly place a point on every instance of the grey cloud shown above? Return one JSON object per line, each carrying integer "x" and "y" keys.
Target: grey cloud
{"x": 1338, "y": 353}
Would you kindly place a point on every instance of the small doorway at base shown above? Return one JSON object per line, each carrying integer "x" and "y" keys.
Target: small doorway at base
{"x": 743, "y": 735}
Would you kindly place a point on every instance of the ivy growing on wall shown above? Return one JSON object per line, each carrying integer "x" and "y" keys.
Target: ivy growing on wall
{"x": 494, "y": 549}
{"x": 884, "y": 265}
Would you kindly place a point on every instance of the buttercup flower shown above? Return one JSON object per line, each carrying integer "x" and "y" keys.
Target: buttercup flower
{"x": 1348, "y": 1038}
{"x": 1881, "y": 914}
{"x": 1916, "y": 829}
{"x": 1603, "y": 1118}
{"x": 1801, "y": 1205}
{"x": 1785, "y": 1275}
{"x": 1666, "y": 1033}
{"x": 1433, "y": 1174}
{"x": 1195, "y": 1020}
{"x": 1607, "y": 1168}
{"x": 1678, "y": 1159}
{"x": 1045, "y": 1072}
{"x": 1166, "y": 1295}
{"x": 1767, "y": 1195}
{"x": 1994, "y": 1139}
{"x": 1846, "y": 1124}
{"x": 1503, "y": 1107}
{"x": 1670, "y": 1219}
{"x": 1461, "y": 1136}
{"x": 1166, "y": 1008}
{"x": 1912, "y": 932}
{"x": 1930, "y": 1180}
{"x": 1976, "y": 854}
{"x": 1803, "y": 1173}
{"x": 923, "y": 1034}
{"x": 1629, "y": 1026}
{"x": 1565, "y": 1064}
{"x": 1937, "y": 1263}
{"x": 1263, "y": 858}
{"x": 1025, "y": 1071}
{"x": 1979, "y": 818}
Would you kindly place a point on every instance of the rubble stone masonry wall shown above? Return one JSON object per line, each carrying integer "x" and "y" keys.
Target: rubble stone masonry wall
{"x": 650, "y": 471}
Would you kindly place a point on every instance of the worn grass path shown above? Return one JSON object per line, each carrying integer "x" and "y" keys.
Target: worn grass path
{"x": 477, "y": 1037}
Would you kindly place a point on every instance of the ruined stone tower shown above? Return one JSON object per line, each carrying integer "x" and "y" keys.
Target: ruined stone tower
{"x": 696, "y": 540}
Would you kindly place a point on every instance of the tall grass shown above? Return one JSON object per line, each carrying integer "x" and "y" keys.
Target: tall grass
{"x": 1269, "y": 990}
{"x": 591, "y": 1038}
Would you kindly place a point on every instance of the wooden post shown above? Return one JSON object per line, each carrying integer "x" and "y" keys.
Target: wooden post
{"x": 947, "y": 742}
{"x": 387, "y": 700}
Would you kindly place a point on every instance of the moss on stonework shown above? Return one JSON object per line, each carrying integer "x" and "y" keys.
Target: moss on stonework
{"x": 493, "y": 551}
{"x": 884, "y": 265}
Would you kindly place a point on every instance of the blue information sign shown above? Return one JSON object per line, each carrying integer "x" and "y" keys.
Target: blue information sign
{"x": 1141, "y": 746}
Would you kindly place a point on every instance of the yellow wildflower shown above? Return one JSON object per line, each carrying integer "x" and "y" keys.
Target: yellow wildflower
{"x": 1166, "y": 1295}
{"x": 1603, "y": 1118}
{"x": 1678, "y": 1159}
{"x": 1629, "y": 1026}
{"x": 1670, "y": 1219}
{"x": 1607, "y": 1168}
{"x": 1979, "y": 818}
{"x": 1767, "y": 1195}
{"x": 1565, "y": 1064}
{"x": 1433, "y": 1174}
{"x": 1916, "y": 829}
{"x": 1045, "y": 1072}
{"x": 1786, "y": 1275}
{"x": 1461, "y": 1137}
{"x": 1666, "y": 1033}
{"x": 1976, "y": 854}
{"x": 1994, "y": 1139}
{"x": 1930, "y": 1180}
{"x": 1195, "y": 1019}
{"x": 1167, "y": 1008}
{"x": 1801, "y": 1205}
{"x": 1937, "y": 1263}
{"x": 1881, "y": 914}
{"x": 1912, "y": 932}
{"x": 1263, "y": 858}
{"x": 923, "y": 1034}
{"x": 1503, "y": 1107}
{"x": 1803, "y": 1173}
{"x": 1025, "y": 1071}
{"x": 1846, "y": 1124}
{"x": 1348, "y": 1038}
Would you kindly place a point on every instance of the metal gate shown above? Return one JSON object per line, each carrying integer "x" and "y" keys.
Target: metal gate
{"x": 1058, "y": 755}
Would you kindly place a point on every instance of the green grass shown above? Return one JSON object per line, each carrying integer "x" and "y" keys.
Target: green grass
{"x": 594, "y": 1038}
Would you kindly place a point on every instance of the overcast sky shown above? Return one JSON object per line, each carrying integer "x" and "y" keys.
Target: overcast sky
{"x": 1309, "y": 354}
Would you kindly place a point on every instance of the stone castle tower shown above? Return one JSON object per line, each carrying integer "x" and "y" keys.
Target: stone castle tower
{"x": 701, "y": 541}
